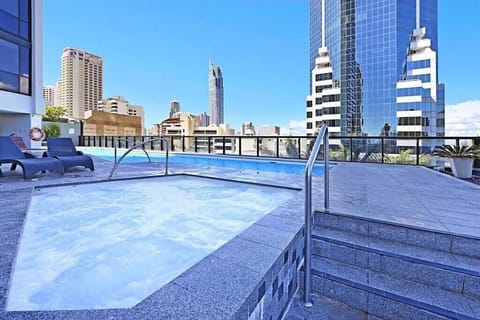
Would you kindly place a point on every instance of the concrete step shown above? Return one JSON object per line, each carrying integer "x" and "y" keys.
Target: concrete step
{"x": 456, "y": 273}
{"x": 409, "y": 235}
{"x": 323, "y": 308}
{"x": 386, "y": 296}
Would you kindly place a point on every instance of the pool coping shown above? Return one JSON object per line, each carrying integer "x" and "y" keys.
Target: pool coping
{"x": 251, "y": 261}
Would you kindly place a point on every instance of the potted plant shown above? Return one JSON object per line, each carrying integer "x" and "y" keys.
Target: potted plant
{"x": 460, "y": 157}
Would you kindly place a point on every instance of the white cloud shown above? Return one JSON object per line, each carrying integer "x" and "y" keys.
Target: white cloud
{"x": 295, "y": 127}
{"x": 463, "y": 119}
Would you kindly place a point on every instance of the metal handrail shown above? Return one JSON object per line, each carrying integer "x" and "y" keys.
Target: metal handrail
{"x": 117, "y": 163}
{"x": 117, "y": 139}
{"x": 322, "y": 136}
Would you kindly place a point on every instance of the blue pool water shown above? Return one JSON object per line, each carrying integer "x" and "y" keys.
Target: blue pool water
{"x": 279, "y": 166}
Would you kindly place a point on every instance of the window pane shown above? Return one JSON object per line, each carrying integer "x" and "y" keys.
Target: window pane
{"x": 10, "y": 6}
{"x": 24, "y": 61}
{"x": 8, "y": 22}
{"x": 8, "y": 81}
{"x": 24, "y": 30}
{"x": 24, "y": 14}
{"x": 25, "y": 85}
{"x": 9, "y": 57}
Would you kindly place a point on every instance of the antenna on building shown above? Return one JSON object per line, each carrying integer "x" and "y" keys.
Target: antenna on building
{"x": 417, "y": 12}
{"x": 209, "y": 57}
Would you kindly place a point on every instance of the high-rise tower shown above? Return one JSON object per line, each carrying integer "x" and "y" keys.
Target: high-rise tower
{"x": 174, "y": 108}
{"x": 368, "y": 54}
{"x": 215, "y": 90}
{"x": 81, "y": 85}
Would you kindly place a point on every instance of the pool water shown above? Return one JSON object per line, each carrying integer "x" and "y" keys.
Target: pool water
{"x": 111, "y": 244}
{"x": 279, "y": 166}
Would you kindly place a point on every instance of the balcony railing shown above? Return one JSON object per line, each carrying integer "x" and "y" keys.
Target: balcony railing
{"x": 376, "y": 149}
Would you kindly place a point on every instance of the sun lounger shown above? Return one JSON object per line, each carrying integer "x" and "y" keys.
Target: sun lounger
{"x": 64, "y": 150}
{"x": 11, "y": 153}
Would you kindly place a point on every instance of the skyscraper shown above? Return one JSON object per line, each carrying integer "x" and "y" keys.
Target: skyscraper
{"x": 49, "y": 93}
{"x": 373, "y": 63}
{"x": 215, "y": 90}
{"x": 174, "y": 108}
{"x": 81, "y": 84}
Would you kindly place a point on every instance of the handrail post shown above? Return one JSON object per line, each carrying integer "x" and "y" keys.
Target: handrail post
{"x": 322, "y": 137}
{"x": 326, "y": 176}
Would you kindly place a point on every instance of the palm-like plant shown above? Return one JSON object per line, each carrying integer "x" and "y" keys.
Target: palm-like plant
{"x": 448, "y": 151}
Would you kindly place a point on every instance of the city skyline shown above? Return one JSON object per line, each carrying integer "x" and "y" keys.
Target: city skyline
{"x": 266, "y": 60}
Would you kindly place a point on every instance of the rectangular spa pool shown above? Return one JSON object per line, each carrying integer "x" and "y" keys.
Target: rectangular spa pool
{"x": 112, "y": 244}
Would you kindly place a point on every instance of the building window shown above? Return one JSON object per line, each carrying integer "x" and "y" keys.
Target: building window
{"x": 15, "y": 46}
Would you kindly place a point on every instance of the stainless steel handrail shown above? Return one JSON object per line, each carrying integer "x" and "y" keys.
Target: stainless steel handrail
{"x": 117, "y": 163}
{"x": 322, "y": 136}
{"x": 117, "y": 139}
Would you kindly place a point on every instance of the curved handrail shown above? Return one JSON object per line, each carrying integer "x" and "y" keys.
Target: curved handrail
{"x": 126, "y": 140}
{"x": 117, "y": 163}
{"x": 322, "y": 136}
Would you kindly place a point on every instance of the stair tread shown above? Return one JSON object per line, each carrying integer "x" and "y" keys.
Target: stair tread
{"x": 323, "y": 308}
{"x": 448, "y": 260}
{"x": 408, "y": 291}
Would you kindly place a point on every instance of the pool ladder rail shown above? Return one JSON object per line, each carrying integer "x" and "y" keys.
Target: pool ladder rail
{"x": 322, "y": 137}
{"x": 135, "y": 146}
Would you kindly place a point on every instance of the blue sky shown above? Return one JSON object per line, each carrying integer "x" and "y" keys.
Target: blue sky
{"x": 158, "y": 50}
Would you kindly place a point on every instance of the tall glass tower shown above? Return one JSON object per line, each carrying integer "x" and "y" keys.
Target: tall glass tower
{"x": 373, "y": 63}
{"x": 215, "y": 90}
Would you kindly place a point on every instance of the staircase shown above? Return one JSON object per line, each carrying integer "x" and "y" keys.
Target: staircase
{"x": 392, "y": 271}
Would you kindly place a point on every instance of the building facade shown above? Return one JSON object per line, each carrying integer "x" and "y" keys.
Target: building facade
{"x": 215, "y": 91}
{"x": 81, "y": 83}
{"x": 118, "y": 104}
{"x": 21, "y": 77}
{"x": 361, "y": 56}
{"x": 49, "y": 95}
{"x": 99, "y": 123}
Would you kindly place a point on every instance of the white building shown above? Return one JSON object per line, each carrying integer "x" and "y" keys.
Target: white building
{"x": 323, "y": 103}
{"x": 248, "y": 129}
{"x": 81, "y": 83}
{"x": 118, "y": 104}
{"x": 21, "y": 78}
{"x": 49, "y": 94}
{"x": 269, "y": 131}
{"x": 420, "y": 98}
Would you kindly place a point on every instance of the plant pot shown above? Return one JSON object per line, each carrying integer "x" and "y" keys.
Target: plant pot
{"x": 461, "y": 167}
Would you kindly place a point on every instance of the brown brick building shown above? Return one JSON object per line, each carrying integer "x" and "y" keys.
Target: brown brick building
{"x": 99, "y": 123}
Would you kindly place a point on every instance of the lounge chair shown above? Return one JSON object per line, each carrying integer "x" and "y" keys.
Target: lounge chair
{"x": 19, "y": 141}
{"x": 11, "y": 153}
{"x": 64, "y": 150}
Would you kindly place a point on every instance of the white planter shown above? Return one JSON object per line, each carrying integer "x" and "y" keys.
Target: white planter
{"x": 461, "y": 167}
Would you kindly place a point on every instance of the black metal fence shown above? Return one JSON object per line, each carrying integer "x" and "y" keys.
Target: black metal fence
{"x": 377, "y": 149}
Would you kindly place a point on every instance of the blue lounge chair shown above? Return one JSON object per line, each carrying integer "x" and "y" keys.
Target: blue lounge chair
{"x": 10, "y": 153}
{"x": 64, "y": 150}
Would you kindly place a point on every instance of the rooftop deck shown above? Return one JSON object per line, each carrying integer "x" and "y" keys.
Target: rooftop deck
{"x": 406, "y": 195}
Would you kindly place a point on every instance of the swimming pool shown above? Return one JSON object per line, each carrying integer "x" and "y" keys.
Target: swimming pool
{"x": 240, "y": 163}
{"x": 112, "y": 245}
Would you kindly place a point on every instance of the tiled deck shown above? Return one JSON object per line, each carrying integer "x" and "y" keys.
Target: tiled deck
{"x": 386, "y": 192}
